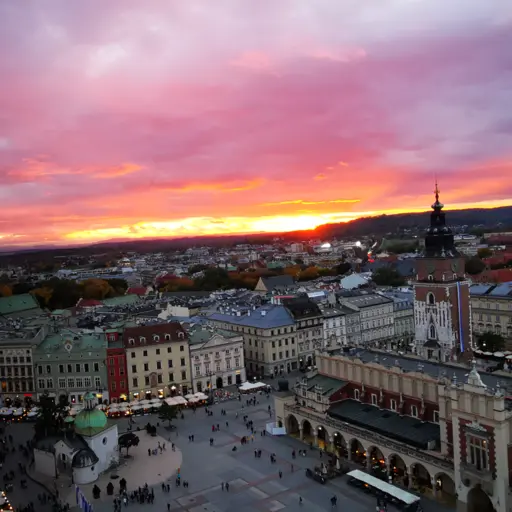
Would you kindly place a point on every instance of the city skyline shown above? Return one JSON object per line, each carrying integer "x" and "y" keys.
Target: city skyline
{"x": 185, "y": 118}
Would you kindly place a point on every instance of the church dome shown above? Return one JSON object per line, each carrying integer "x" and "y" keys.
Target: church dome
{"x": 84, "y": 458}
{"x": 90, "y": 421}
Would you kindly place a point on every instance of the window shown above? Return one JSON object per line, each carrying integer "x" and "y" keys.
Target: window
{"x": 159, "y": 378}
{"x": 86, "y": 367}
{"x": 414, "y": 411}
{"x": 171, "y": 377}
{"x": 157, "y": 351}
{"x": 182, "y": 348}
{"x": 41, "y": 383}
{"x": 79, "y": 383}
{"x": 432, "y": 332}
{"x": 71, "y": 383}
{"x": 169, "y": 363}
{"x": 61, "y": 368}
{"x": 159, "y": 365}
{"x": 97, "y": 382}
{"x": 374, "y": 399}
{"x": 135, "y": 382}
{"x": 113, "y": 386}
{"x": 435, "y": 418}
{"x": 145, "y": 353}
{"x": 134, "y": 368}
{"x": 87, "y": 382}
{"x": 228, "y": 363}
{"x": 111, "y": 361}
{"x": 431, "y": 300}
{"x": 392, "y": 404}
{"x": 182, "y": 361}
{"x": 62, "y": 383}
{"x": 96, "y": 367}
{"x": 183, "y": 375}
{"x": 77, "y": 368}
{"x": 146, "y": 367}
{"x": 477, "y": 453}
{"x": 217, "y": 367}
{"x": 146, "y": 380}
{"x": 356, "y": 394}
{"x": 132, "y": 354}
{"x": 169, "y": 350}
{"x": 197, "y": 369}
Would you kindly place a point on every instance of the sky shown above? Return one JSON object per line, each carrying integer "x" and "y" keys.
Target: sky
{"x": 131, "y": 119}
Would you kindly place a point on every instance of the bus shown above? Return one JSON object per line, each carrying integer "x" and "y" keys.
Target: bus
{"x": 384, "y": 491}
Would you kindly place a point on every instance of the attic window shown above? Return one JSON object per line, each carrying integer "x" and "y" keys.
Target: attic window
{"x": 167, "y": 337}
{"x": 156, "y": 337}
{"x": 131, "y": 341}
{"x": 430, "y": 277}
{"x": 142, "y": 339}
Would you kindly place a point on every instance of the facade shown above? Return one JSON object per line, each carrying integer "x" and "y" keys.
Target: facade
{"x": 441, "y": 295}
{"x": 403, "y": 322}
{"x": 217, "y": 359}
{"x": 158, "y": 360}
{"x": 448, "y": 439}
{"x": 309, "y": 325}
{"x": 334, "y": 326}
{"x": 269, "y": 335}
{"x": 72, "y": 363}
{"x": 117, "y": 372}
{"x": 16, "y": 364}
{"x": 376, "y": 317}
{"x": 491, "y": 309}
{"x": 274, "y": 284}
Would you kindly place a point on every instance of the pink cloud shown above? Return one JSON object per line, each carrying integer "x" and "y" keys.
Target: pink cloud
{"x": 130, "y": 117}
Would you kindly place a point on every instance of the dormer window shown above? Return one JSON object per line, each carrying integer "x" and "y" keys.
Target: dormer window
{"x": 414, "y": 411}
{"x": 356, "y": 394}
{"x": 156, "y": 337}
{"x": 430, "y": 277}
{"x": 181, "y": 335}
{"x": 142, "y": 339}
{"x": 131, "y": 341}
{"x": 167, "y": 337}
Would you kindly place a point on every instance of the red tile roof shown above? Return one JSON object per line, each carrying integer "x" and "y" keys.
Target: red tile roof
{"x": 153, "y": 334}
{"x": 136, "y": 290}
{"x": 88, "y": 303}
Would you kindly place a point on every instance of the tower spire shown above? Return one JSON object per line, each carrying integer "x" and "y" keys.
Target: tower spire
{"x": 436, "y": 192}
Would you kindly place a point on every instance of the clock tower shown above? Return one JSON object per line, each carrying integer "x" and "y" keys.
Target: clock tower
{"x": 442, "y": 314}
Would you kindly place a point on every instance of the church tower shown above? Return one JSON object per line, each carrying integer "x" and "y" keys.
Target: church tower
{"x": 442, "y": 315}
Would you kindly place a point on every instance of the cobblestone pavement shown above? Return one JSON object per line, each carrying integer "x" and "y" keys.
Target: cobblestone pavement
{"x": 254, "y": 483}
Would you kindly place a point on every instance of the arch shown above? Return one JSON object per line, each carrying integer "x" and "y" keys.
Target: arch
{"x": 421, "y": 478}
{"x": 219, "y": 383}
{"x": 432, "y": 332}
{"x": 339, "y": 445}
{"x": 479, "y": 501}
{"x": 292, "y": 425}
{"x": 445, "y": 488}
{"x": 322, "y": 437}
{"x": 357, "y": 451}
{"x": 378, "y": 464}
{"x": 398, "y": 468}
{"x": 431, "y": 300}
{"x": 307, "y": 431}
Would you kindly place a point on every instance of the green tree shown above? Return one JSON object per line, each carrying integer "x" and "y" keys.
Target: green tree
{"x": 474, "y": 266}
{"x": 194, "y": 269}
{"x": 484, "y": 252}
{"x": 386, "y": 276}
{"x": 168, "y": 412}
{"x": 343, "y": 268}
{"x": 491, "y": 342}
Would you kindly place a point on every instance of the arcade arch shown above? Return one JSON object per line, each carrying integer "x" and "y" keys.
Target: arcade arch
{"x": 357, "y": 451}
{"x": 397, "y": 467}
{"x": 292, "y": 426}
{"x": 479, "y": 501}
{"x": 421, "y": 478}
{"x": 377, "y": 461}
{"x": 339, "y": 445}
{"x": 445, "y": 488}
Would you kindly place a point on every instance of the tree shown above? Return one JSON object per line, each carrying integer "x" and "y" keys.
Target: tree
{"x": 167, "y": 412}
{"x": 5, "y": 290}
{"x": 128, "y": 440}
{"x": 474, "y": 266}
{"x": 386, "y": 276}
{"x": 484, "y": 252}
{"x": 49, "y": 420}
{"x": 491, "y": 342}
{"x": 308, "y": 274}
{"x": 343, "y": 268}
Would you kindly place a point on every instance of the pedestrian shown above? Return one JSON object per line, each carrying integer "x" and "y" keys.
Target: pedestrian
{"x": 280, "y": 474}
{"x": 227, "y": 486}
{"x": 300, "y": 500}
{"x": 222, "y": 486}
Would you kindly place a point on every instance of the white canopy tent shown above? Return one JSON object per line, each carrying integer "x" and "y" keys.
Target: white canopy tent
{"x": 252, "y": 386}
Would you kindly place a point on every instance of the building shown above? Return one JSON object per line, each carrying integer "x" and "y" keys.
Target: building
{"x": 16, "y": 363}
{"x": 269, "y": 338}
{"x": 334, "y": 328}
{"x": 408, "y": 422}
{"x": 491, "y": 309}
{"x": 309, "y": 324}
{"x": 88, "y": 453}
{"x": 376, "y": 317}
{"x": 403, "y": 321}
{"x": 441, "y": 295}
{"x": 117, "y": 371}
{"x": 19, "y": 307}
{"x": 217, "y": 359}
{"x": 158, "y": 360}
{"x": 274, "y": 284}
{"x": 72, "y": 363}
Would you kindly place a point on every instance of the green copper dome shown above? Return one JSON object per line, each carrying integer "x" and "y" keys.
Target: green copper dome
{"x": 90, "y": 421}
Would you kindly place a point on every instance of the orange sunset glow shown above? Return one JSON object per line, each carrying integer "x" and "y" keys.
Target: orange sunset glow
{"x": 208, "y": 118}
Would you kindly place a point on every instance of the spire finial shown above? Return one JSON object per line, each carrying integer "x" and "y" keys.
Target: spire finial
{"x": 436, "y": 191}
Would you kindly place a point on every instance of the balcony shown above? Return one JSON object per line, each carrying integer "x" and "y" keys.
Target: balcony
{"x": 343, "y": 427}
{"x": 468, "y": 471}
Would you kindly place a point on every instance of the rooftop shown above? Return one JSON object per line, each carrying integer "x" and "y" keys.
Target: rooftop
{"x": 328, "y": 384}
{"x": 69, "y": 340}
{"x": 365, "y": 300}
{"x": 503, "y": 290}
{"x": 153, "y": 334}
{"x": 268, "y": 316}
{"x": 401, "y": 428}
{"x": 18, "y": 304}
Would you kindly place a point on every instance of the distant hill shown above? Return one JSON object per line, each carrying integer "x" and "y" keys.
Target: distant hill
{"x": 495, "y": 218}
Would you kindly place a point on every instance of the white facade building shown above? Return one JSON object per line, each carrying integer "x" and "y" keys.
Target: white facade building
{"x": 216, "y": 358}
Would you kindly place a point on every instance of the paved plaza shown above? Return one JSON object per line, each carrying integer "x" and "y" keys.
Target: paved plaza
{"x": 254, "y": 482}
